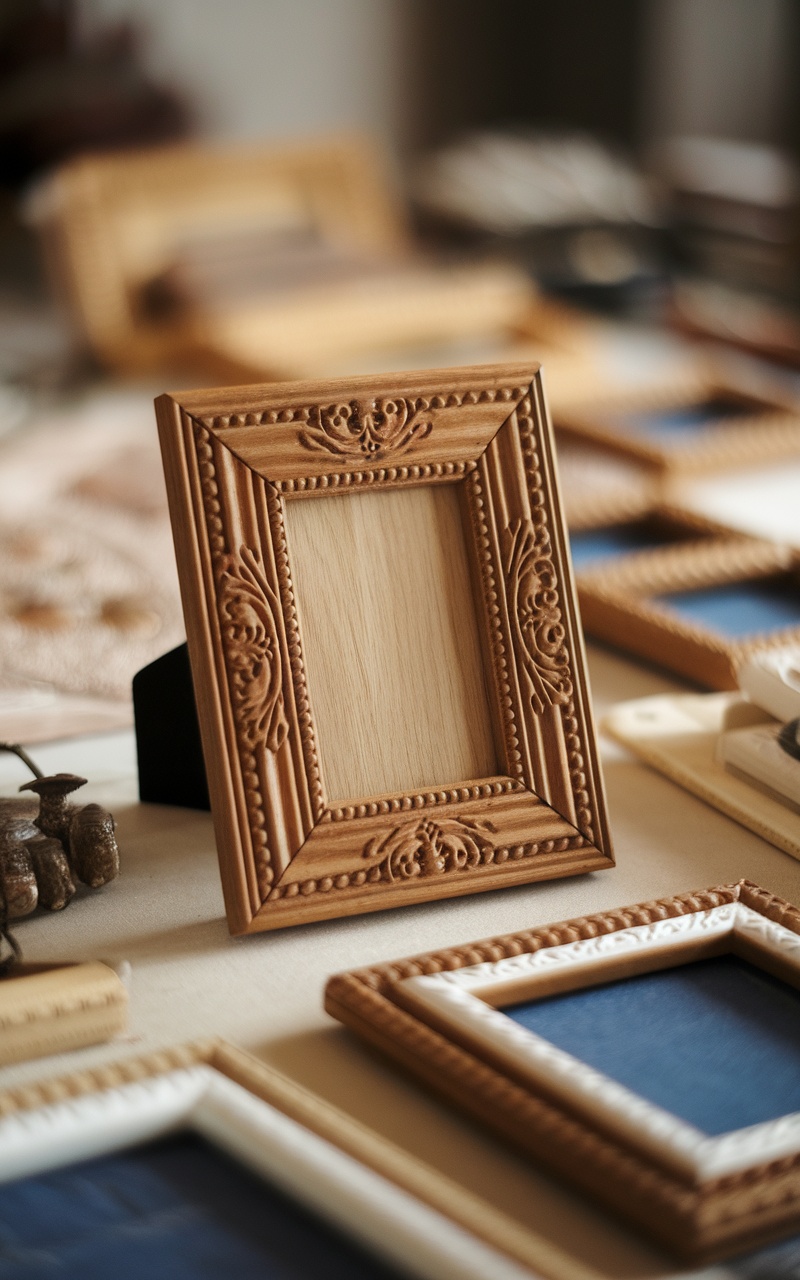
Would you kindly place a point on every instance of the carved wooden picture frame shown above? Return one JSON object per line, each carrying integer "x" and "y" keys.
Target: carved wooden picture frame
{"x": 704, "y": 1193}
{"x": 471, "y": 451}
{"x": 643, "y": 604}
{"x": 664, "y": 429}
{"x": 316, "y": 1160}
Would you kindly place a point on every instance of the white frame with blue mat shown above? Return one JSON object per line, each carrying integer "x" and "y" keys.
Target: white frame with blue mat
{"x": 440, "y": 1015}
{"x": 397, "y": 1208}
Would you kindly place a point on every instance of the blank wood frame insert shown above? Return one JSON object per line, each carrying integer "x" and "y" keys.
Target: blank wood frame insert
{"x": 390, "y": 640}
{"x": 384, "y": 640}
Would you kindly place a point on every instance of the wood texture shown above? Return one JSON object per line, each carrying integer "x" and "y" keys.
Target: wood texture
{"x": 54, "y": 1009}
{"x": 700, "y": 1220}
{"x": 289, "y": 849}
{"x": 391, "y": 642}
{"x": 769, "y": 428}
{"x": 619, "y": 605}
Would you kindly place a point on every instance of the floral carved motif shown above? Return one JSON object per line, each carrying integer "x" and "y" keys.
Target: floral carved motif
{"x": 371, "y": 428}
{"x": 537, "y": 626}
{"x": 428, "y": 847}
{"x": 248, "y": 608}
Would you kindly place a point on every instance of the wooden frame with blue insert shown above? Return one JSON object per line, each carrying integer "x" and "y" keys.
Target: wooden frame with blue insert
{"x": 700, "y": 608}
{"x": 651, "y": 1055}
{"x": 639, "y": 526}
{"x": 704, "y": 423}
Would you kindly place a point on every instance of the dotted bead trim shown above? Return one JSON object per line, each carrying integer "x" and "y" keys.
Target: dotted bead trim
{"x": 210, "y": 490}
{"x": 498, "y": 639}
{"x": 306, "y": 413}
{"x": 398, "y": 804}
{"x": 381, "y": 475}
{"x": 531, "y": 940}
{"x": 289, "y": 609}
{"x": 374, "y": 875}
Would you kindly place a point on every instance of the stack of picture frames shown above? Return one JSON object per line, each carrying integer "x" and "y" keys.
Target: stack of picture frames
{"x": 681, "y": 590}
{"x": 384, "y": 640}
{"x": 649, "y": 1055}
{"x": 665, "y": 583}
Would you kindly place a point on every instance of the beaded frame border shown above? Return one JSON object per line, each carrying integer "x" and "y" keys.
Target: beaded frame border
{"x": 232, "y": 459}
{"x": 700, "y": 1219}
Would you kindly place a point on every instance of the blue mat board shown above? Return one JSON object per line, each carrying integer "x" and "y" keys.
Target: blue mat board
{"x": 773, "y": 1262}
{"x": 588, "y": 545}
{"x": 676, "y": 424}
{"x": 739, "y": 609}
{"x": 175, "y": 1209}
{"x": 716, "y": 1042}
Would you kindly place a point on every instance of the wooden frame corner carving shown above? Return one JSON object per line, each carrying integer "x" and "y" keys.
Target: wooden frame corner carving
{"x": 233, "y": 459}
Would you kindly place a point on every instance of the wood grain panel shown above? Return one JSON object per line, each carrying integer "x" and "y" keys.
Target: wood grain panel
{"x": 390, "y": 639}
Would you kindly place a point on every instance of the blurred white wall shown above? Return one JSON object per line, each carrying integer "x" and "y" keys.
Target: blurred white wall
{"x": 717, "y": 67}
{"x": 266, "y": 68}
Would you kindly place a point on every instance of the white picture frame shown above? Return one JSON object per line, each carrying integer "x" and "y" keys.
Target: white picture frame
{"x": 704, "y": 1195}
{"x": 469, "y": 1002}
{"x": 295, "y": 1143}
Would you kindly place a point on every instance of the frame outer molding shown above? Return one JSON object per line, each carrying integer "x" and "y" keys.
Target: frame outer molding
{"x": 232, "y": 458}
{"x": 563, "y": 562}
{"x": 697, "y": 1222}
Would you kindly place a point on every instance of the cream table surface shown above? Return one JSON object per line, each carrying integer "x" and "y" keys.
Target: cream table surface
{"x": 190, "y": 979}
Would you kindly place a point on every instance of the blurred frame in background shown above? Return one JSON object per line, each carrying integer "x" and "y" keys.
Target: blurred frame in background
{"x": 343, "y": 186}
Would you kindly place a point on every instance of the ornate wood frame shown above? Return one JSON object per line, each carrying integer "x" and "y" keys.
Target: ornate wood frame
{"x": 772, "y": 430}
{"x": 704, "y": 1198}
{"x": 233, "y": 458}
{"x": 369, "y": 1189}
{"x": 618, "y": 604}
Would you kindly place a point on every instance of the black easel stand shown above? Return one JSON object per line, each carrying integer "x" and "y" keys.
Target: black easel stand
{"x": 170, "y": 757}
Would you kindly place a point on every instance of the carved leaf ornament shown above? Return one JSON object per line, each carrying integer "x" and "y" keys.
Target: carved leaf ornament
{"x": 247, "y": 614}
{"x": 373, "y": 428}
{"x": 539, "y": 635}
{"x": 427, "y": 847}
